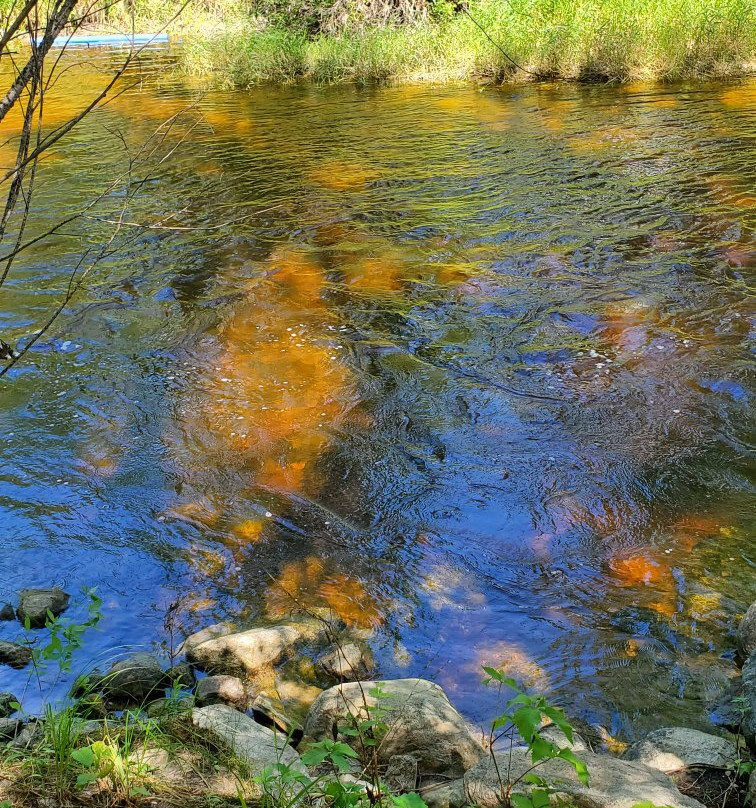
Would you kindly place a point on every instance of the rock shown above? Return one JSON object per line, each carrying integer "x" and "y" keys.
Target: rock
{"x": 674, "y": 748}
{"x": 9, "y": 728}
{"x": 34, "y": 605}
{"x": 751, "y": 796}
{"x": 221, "y": 690}
{"x": 348, "y": 662}
{"x": 27, "y": 736}
{"x": 181, "y": 675}
{"x": 165, "y": 707}
{"x": 256, "y": 745}
{"x": 209, "y": 633}
{"x": 421, "y": 721}
{"x": 15, "y": 655}
{"x": 270, "y": 713}
{"x": 554, "y": 735}
{"x": 247, "y": 652}
{"x": 6, "y": 702}
{"x": 613, "y": 783}
{"x": 134, "y": 680}
{"x": 401, "y": 774}
{"x": 7, "y": 612}
{"x": 297, "y": 696}
{"x": 747, "y": 631}
{"x": 748, "y": 694}
{"x": 445, "y": 795}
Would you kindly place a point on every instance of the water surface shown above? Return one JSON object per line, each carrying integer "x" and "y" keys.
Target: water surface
{"x": 470, "y": 367}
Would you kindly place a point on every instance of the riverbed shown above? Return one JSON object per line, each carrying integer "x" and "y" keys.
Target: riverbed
{"x": 468, "y": 367}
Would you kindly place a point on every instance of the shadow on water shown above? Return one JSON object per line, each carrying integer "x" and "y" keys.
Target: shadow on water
{"x": 467, "y": 367}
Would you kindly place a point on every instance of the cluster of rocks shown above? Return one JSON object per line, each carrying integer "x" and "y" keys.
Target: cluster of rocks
{"x": 246, "y": 689}
{"x": 33, "y": 609}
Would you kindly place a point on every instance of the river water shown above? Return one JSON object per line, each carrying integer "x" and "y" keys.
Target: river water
{"x": 467, "y": 366}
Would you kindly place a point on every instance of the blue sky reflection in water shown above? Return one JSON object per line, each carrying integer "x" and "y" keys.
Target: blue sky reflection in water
{"x": 467, "y": 366}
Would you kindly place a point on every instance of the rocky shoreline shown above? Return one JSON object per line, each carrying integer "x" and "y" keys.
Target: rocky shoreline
{"x": 259, "y": 692}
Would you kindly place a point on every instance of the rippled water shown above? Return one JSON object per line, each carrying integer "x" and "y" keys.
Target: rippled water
{"x": 470, "y": 367}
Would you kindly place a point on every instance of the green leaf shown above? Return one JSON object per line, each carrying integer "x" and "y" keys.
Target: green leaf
{"x": 577, "y": 764}
{"x": 520, "y": 801}
{"x": 539, "y": 798}
{"x": 411, "y": 800}
{"x": 534, "y": 779}
{"x": 85, "y": 756}
{"x": 341, "y": 763}
{"x": 85, "y": 778}
{"x": 541, "y": 749}
{"x": 527, "y": 720}
{"x": 314, "y": 756}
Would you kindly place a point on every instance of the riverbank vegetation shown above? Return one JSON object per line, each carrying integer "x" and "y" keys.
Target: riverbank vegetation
{"x": 484, "y": 40}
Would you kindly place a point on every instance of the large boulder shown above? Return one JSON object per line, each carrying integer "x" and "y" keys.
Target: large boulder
{"x": 421, "y": 722}
{"x": 134, "y": 680}
{"x": 748, "y": 694}
{"x": 14, "y": 655}
{"x": 258, "y": 746}
{"x": 674, "y": 748}
{"x": 747, "y": 631}
{"x": 221, "y": 690}
{"x": 34, "y": 604}
{"x": 613, "y": 783}
{"x": 246, "y": 652}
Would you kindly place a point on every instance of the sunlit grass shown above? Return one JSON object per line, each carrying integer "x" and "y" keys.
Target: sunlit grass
{"x": 619, "y": 40}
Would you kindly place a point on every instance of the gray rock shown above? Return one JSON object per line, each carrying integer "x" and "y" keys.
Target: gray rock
{"x": 181, "y": 675}
{"x": 445, "y": 795}
{"x": 554, "y": 735}
{"x": 9, "y": 728}
{"x": 748, "y": 694}
{"x": 164, "y": 707}
{"x": 34, "y": 605}
{"x": 6, "y": 700}
{"x": 421, "y": 722}
{"x": 7, "y": 612}
{"x": 15, "y": 655}
{"x": 747, "y": 631}
{"x": 401, "y": 774}
{"x": 247, "y": 652}
{"x": 134, "y": 680}
{"x": 258, "y": 746}
{"x": 751, "y": 794}
{"x": 270, "y": 713}
{"x": 674, "y": 748}
{"x": 347, "y": 662}
{"x": 27, "y": 736}
{"x": 221, "y": 690}
{"x": 205, "y": 634}
{"x": 613, "y": 783}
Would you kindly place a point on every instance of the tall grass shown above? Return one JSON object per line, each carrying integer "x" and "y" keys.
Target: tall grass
{"x": 618, "y": 40}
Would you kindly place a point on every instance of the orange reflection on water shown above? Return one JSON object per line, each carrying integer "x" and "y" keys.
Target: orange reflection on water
{"x": 314, "y": 584}
{"x": 340, "y": 176}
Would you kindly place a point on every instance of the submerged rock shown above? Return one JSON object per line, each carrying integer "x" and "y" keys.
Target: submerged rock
{"x": 247, "y": 652}
{"x": 134, "y": 680}
{"x": 421, "y": 721}
{"x": 221, "y": 690}
{"x": 747, "y": 631}
{"x": 613, "y": 783}
{"x": 347, "y": 662}
{"x": 256, "y": 745}
{"x": 7, "y": 612}
{"x": 14, "y": 655}
{"x": 34, "y": 605}
{"x": 674, "y": 748}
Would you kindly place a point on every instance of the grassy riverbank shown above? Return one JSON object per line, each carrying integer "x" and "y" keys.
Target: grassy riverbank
{"x": 616, "y": 40}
